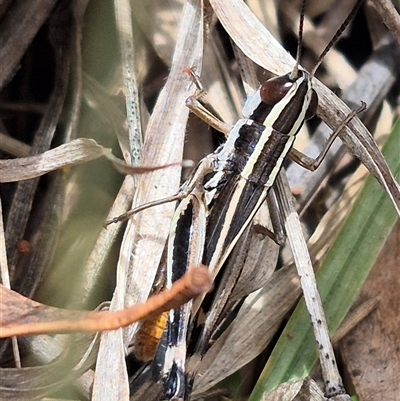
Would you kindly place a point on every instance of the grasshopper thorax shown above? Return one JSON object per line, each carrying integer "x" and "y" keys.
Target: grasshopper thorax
{"x": 283, "y": 102}
{"x": 275, "y": 89}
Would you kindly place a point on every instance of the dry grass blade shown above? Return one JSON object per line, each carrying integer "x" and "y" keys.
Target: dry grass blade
{"x": 390, "y": 16}
{"x": 70, "y": 154}
{"x": 143, "y": 245}
{"x": 13, "y": 147}
{"x": 5, "y": 279}
{"x": 74, "y": 152}
{"x": 34, "y": 383}
{"x": 311, "y": 295}
{"x": 301, "y": 390}
{"x": 19, "y": 27}
{"x": 241, "y": 24}
{"x": 260, "y": 316}
{"x": 24, "y": 194}
{"x": 125, "y": 33}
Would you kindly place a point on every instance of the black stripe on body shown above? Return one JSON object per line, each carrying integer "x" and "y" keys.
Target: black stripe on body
{"x": 292, "y": 111}
{"x": 175, "y": 383}
{"x": 253, "y": 189}
{"x": 182, "y": 243}
{"x": 175, "y": 326}
{"x": 159, "y": 358}
{"x": 272, "y": 150}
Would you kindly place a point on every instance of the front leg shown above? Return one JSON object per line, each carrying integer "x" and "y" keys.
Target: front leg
{"x": 196, "y": 107}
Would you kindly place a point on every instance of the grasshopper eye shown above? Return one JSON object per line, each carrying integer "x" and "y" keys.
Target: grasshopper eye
{"x": 313, "y": 105}
{"x": 273, "y": 90}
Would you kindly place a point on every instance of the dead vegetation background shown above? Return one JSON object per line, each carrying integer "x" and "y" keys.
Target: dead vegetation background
{"x": 62, "y": 77}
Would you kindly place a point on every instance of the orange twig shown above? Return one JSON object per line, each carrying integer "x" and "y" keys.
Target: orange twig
{"x": 194, "y": 283}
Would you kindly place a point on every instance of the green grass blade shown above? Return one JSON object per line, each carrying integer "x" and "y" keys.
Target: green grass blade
{"x": 340, "y": 277}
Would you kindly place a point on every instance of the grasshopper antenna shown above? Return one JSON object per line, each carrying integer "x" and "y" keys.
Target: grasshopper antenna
{"x": 294, "y": 74}
{"x": 337, "y": 35}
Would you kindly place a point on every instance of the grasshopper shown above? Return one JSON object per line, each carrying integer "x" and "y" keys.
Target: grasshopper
{"x": 222, "y": 196}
